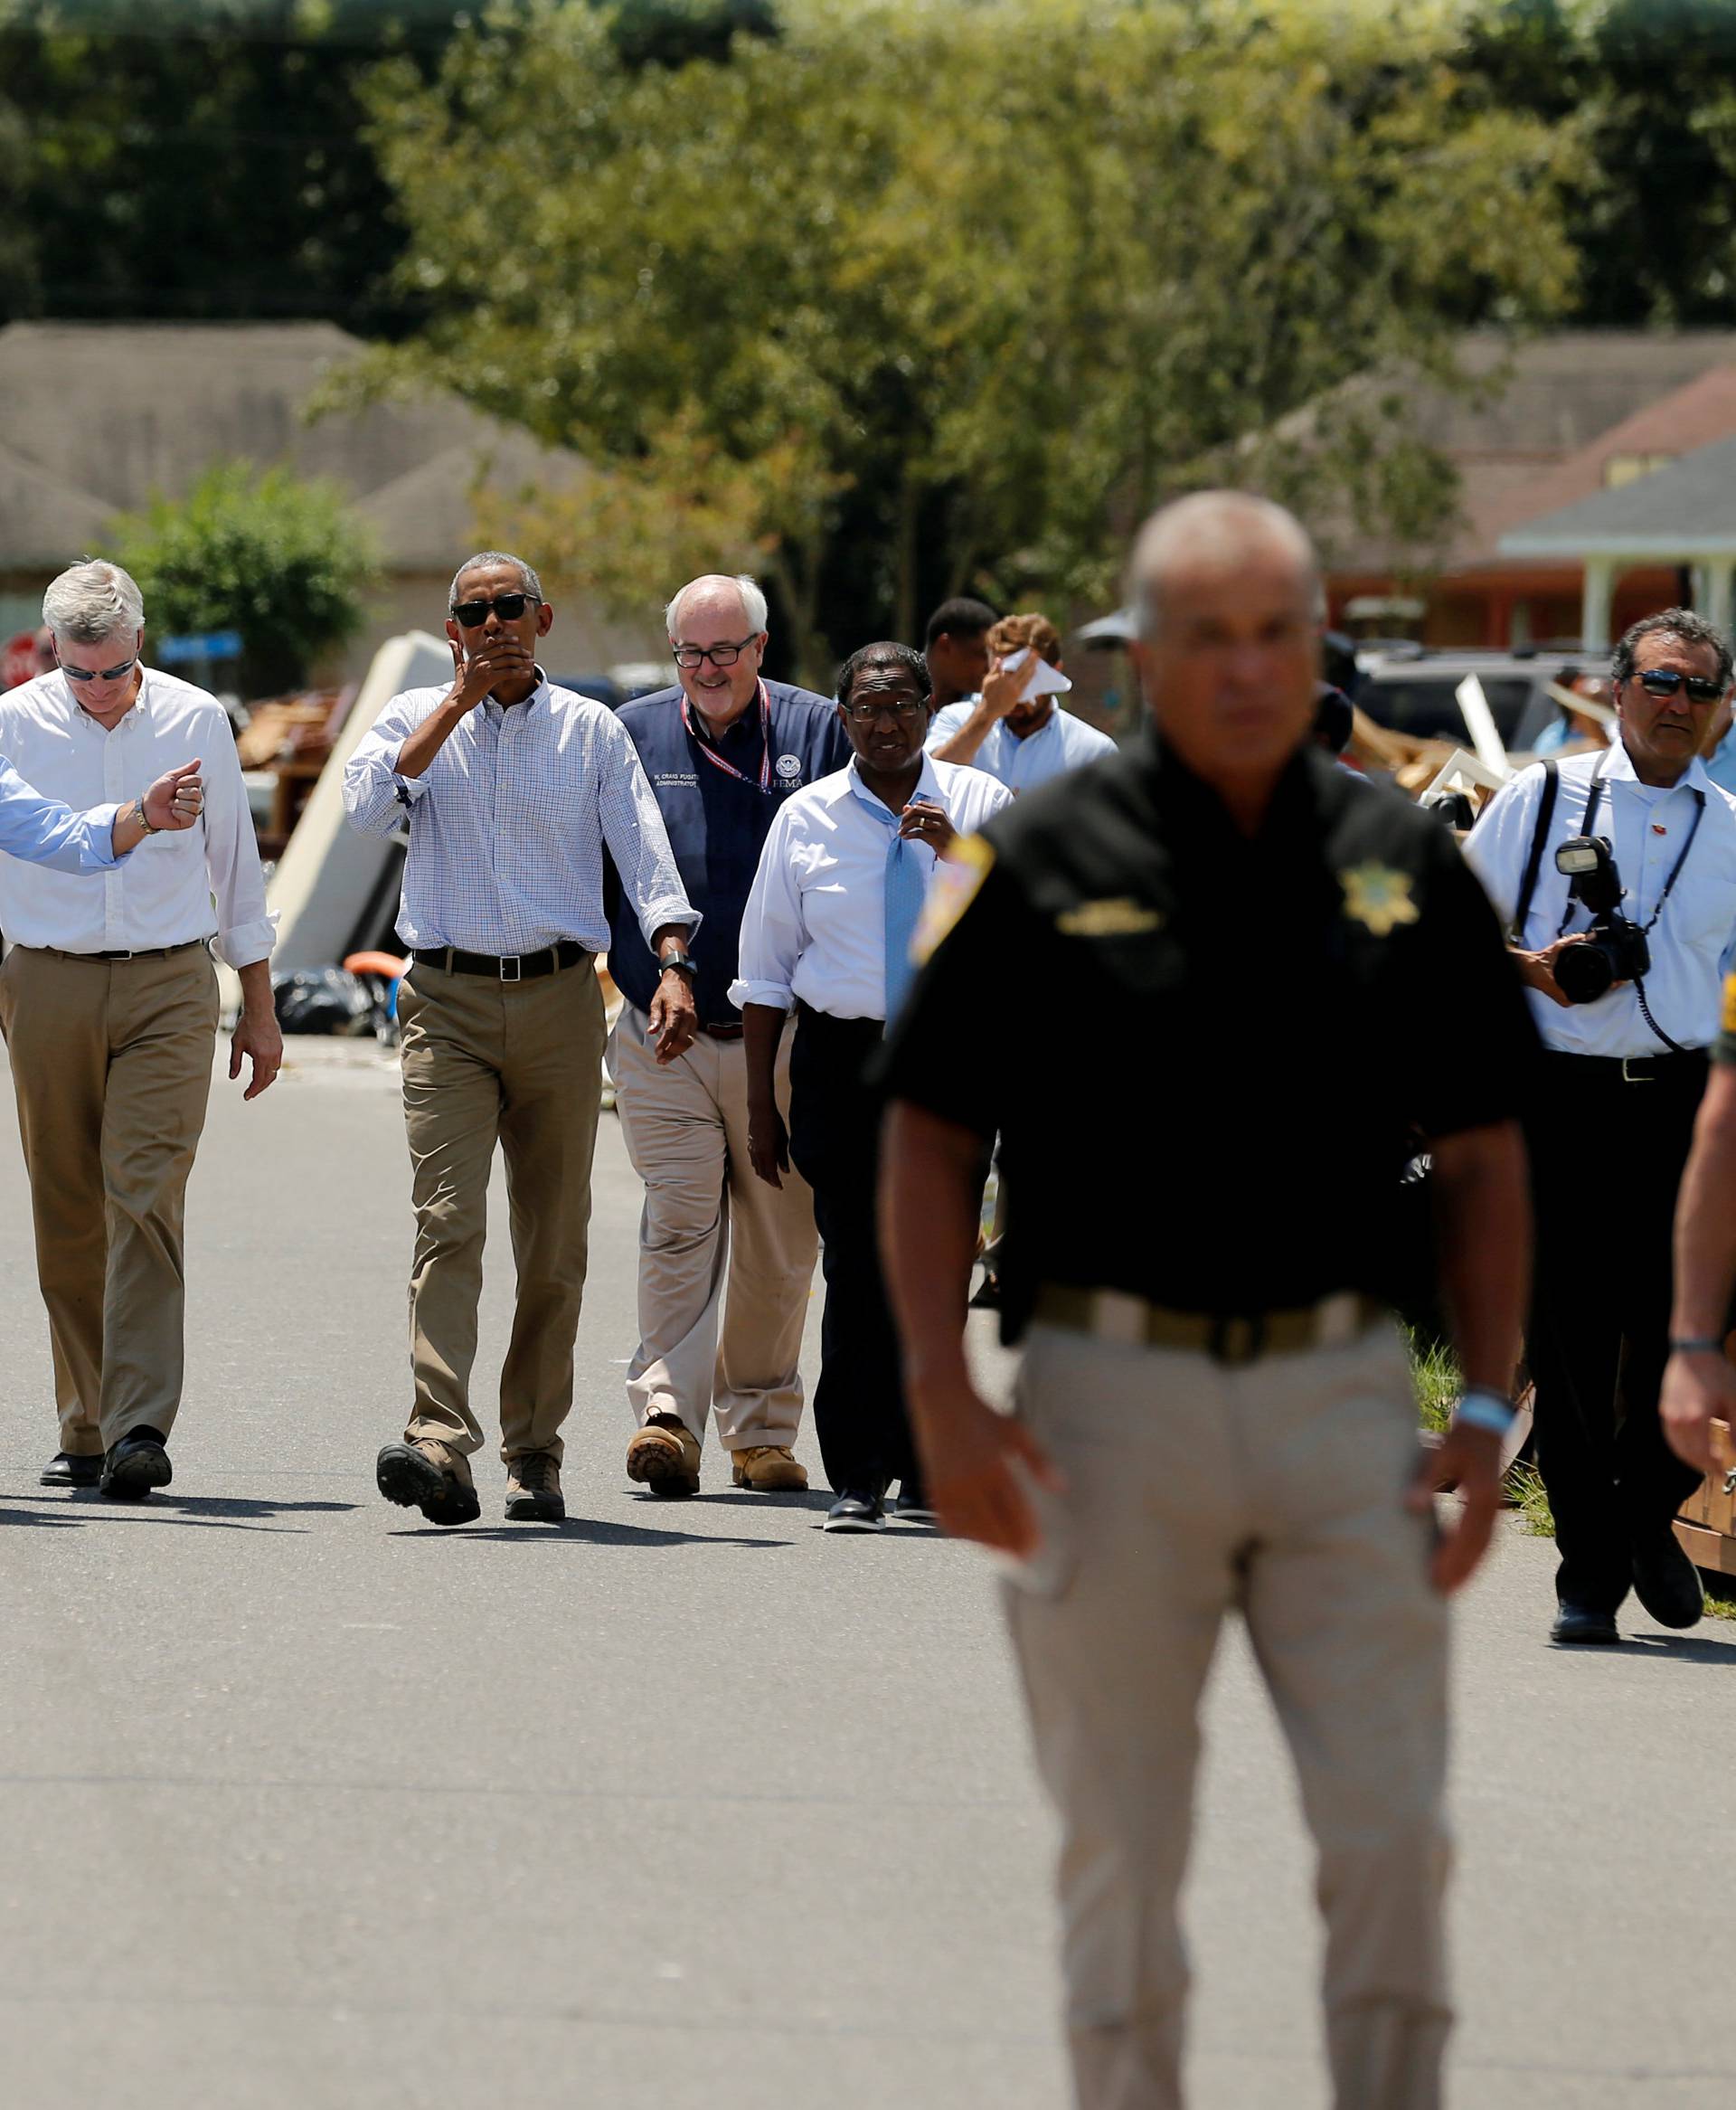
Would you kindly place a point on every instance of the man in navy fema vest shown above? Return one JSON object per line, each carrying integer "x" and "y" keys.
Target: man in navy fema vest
{"x": 722, "y": 750}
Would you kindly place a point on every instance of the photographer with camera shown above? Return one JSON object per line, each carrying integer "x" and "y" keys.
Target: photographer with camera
{"x": 1614, "y": 873}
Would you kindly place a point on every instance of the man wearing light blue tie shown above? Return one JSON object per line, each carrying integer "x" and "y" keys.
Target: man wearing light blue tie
{"x": 828, "y": 933}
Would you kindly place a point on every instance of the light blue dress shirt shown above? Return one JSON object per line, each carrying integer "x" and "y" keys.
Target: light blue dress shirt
{"x": 1720, "y": 763}
{"x": 43, "y": 831}
{"x": 510, "y": 824}
{"x": 1061, "y": 743}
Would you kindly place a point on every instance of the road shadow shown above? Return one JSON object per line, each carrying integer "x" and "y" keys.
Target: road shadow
{"x": 50, "y": 1516}
{"x": 581, "y": 1531}
{"x": 743, "y": 1497}
{"x": 1666, "y": 1648}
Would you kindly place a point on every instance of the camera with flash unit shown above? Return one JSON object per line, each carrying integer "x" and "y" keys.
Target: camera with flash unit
{"x": 1614, "y": 949}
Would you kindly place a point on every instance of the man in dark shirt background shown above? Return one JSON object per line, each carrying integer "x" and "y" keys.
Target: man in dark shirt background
{"x": 1215, "y": 1409}
{"x": 956, "y": 647}
{"x": 722, "y": 751}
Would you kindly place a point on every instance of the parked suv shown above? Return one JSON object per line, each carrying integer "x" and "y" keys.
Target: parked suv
{"x": 1414, "y": 693}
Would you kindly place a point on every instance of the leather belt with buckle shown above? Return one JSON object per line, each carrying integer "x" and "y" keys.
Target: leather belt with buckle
{"x": 513, "y": 967}
{"x": 1647, "y": 1069}
{"x": 1234, "y": 1339}
{"x": 732, "y": 1031}
{"x": 140, "y": 952}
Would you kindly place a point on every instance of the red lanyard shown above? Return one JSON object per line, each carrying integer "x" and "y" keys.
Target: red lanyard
{"x": 729, "y": 767}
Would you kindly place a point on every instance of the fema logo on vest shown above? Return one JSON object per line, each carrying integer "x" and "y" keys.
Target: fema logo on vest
{"x": 789, "y": 767}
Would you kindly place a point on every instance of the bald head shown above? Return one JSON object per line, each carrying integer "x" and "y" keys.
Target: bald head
{"x": 1228, "y": 594}
{"x": 1215, "y": 533}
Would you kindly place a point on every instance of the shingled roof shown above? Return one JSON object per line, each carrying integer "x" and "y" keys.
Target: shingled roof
{"x": 95, "y": 417}
{"x": 1683, "y": 511}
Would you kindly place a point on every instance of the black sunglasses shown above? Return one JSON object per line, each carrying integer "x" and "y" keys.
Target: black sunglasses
{"x": 103, "y": 674}
{"x": 470, "y": 615}
{"x": 1664, "y": 681}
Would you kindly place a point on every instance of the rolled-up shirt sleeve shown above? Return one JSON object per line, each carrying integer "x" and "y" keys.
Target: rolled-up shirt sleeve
{"x": 44, "y": 831}
{"x": 637, "y": 840}
{"x": 246, "y": 928}
{"x": 376, "y": 797}
{"x": 773, "y": 935}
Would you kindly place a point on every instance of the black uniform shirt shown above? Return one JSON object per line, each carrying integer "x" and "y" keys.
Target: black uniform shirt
{"x": 1208, "y": 1057}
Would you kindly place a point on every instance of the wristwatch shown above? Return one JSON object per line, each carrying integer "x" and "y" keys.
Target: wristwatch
{"x": 680, "y": 963}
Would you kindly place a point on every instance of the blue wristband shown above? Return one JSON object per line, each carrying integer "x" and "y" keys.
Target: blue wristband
{"x": 1482, "y": 1409}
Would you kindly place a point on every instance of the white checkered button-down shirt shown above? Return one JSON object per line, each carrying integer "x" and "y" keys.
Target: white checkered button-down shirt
{"x": 509, "y": 823}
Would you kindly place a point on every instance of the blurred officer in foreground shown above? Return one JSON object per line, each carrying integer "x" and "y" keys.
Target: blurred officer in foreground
{"x": 1215, "y": 1410}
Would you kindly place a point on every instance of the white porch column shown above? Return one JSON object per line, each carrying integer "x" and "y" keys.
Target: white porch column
{"x": 1717, "y": 606}
{"x": 1594, "y": 607}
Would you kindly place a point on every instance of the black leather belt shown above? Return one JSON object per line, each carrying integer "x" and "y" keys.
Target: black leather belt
{"x": 1650, "y": 1069}
{"x": 515, "y": 966}
{"x": 143, "y": 953}
{"x": 732, "y": 1031}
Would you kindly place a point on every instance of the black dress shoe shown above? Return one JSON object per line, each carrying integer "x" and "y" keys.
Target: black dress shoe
{"x": 1580, "y": 1626}
{"x": 135, "y": 1465}
{"x": 71, "y": 1469}
{"x": 856, "y": 1511}
{"x": 1667, "y": 1584}
{"x": 913, "y": 1505}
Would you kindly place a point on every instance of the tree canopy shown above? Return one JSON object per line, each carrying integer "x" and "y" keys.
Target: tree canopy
{"x": 922, "y": 296}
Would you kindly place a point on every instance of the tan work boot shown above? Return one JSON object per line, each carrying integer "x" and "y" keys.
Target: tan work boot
{"x": 665, "y": 1456}
{"x": 429, "y": 1476}
{"x": 533, "y": 1489}
{"x": 770, "y": 1468}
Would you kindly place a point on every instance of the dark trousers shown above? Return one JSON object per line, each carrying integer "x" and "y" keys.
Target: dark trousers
{"x": 1606, "y": 1162}
{"x": 835, "y": 1140}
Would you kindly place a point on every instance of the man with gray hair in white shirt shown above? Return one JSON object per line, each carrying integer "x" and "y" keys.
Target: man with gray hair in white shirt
{"x": 109, "y": 1004}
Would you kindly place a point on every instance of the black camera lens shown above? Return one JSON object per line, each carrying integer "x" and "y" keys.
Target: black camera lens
{"x": 1585, "y": 972}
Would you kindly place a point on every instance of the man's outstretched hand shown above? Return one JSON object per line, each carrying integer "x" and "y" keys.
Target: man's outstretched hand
{"x": 1469, "y": 1460}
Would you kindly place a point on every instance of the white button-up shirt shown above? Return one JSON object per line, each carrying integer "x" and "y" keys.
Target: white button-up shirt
{"x": 176, "y": 887}
{"x": 1647, "y": 827}
{"x": 46, "y": 832}
{"x": 509, "y": 823}
{"x": 1060, "y": 743}
{"x": 814, "y": 930}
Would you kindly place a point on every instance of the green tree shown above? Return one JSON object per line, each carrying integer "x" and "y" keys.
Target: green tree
{"x": 981, "y": 281}
{"x": 285, "y": 561}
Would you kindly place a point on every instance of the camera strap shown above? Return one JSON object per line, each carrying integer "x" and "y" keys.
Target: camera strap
{"x": 1586, "y": 829}
{"x": 1533, "y": 863}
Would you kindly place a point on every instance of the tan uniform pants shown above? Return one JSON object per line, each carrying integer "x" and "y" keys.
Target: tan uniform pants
{"x": 111, "y": 1068}
{"x": 707, "y": 1215}
{"x": 1276, "y": 1489}
{"x": 520, "y": 1065}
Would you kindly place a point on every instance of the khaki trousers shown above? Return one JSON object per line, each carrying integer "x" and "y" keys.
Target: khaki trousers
{"x": 111, "y": 1068}
{"x": 1276, "y": 1489}
{"x": 707, "y": 1215}
{"x": 520, "y": 1065}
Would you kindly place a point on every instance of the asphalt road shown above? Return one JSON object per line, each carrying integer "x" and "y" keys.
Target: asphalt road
{"x": 682, "y": 1807}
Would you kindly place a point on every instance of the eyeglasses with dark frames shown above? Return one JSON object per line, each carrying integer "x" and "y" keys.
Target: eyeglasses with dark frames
{"x": 871, "y": 707}
{"x": 470, "y": 615}
{"x": 692, "y": 656}
{"x": 1664, "y": 681}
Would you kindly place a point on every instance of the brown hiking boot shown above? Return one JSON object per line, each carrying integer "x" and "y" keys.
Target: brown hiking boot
{"x": 665, "y": 1456}
{"x": 533, "y": 1489}
{"x": 429, "y": 1476}
{"x": 770, "y": 1468}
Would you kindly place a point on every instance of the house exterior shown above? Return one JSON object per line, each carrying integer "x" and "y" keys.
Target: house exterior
{"x": 94, "y": 418}
{"x": 1559, "y": 422}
